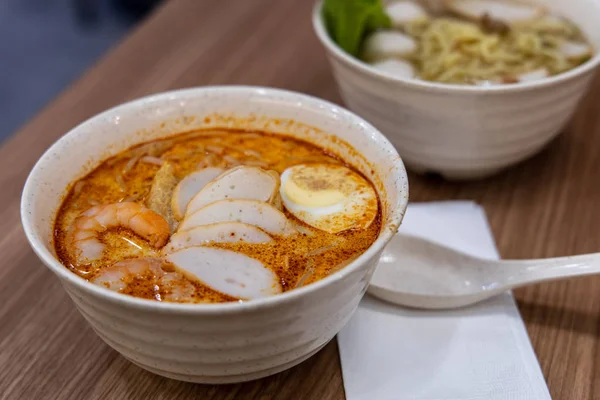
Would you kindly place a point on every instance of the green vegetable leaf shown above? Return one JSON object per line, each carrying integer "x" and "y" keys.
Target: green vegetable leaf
{"x": 349, "y": 21}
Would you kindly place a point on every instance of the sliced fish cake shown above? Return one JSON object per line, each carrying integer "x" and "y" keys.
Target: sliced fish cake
{"x": 222, "y": 232}
{"x": 252, "y": 212}
{"x": 227, "y": 271}
{"x": 507, "y": 11}
{"x": 403, "y": 12}
{"x": 396, "y": 68}
{"x": 189, "y": 186}
{"x": 242, "y": 182}
{"x": 575, "y": 50}
{"x": 382, "y": 45}
{"x": 534, "y": 75}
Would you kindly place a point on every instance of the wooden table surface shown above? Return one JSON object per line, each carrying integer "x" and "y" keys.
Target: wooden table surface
{"x": 547, "y": 206}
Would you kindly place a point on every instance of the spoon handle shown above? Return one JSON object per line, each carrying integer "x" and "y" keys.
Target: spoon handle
{"x": 520, "y": 272}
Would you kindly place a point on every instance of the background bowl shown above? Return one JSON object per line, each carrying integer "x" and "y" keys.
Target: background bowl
{"x": 216, "y": 343}
{"x": 464, "y": 132}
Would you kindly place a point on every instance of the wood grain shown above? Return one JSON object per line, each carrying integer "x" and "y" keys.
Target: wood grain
{"x": 547, "y": 206}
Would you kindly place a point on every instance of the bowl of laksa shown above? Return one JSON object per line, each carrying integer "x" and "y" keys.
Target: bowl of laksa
{"x": 217, "y": 234}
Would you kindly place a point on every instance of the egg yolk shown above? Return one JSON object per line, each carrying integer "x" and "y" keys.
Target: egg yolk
{"x": 310, "y": 197}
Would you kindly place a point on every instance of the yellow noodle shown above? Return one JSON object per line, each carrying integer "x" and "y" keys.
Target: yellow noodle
{"x": 455, "y": 51}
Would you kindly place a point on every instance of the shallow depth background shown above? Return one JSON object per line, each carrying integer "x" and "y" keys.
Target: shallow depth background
{"x": 46, "y": 44}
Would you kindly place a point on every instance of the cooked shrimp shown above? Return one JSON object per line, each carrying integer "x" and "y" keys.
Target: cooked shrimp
{"x": 86, "y": 229}
{"x": 157, "y": 282}
{"x": 176, "y": 287}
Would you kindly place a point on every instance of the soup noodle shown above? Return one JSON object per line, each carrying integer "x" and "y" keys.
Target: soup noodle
{"x": 477, "y": 42}
{"x": 216, "y": 216}
{"x": 456, "y": 51}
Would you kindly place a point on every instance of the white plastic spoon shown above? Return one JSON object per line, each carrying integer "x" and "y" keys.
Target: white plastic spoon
{"x": 418, "y": 273}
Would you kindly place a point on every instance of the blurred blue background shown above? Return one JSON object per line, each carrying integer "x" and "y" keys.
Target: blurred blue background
{"x": 46, "y": 44}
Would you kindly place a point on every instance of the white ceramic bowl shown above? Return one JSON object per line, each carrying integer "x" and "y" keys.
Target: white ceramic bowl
{"x": 464, "y": 132}
{"x": 216, "y": 343}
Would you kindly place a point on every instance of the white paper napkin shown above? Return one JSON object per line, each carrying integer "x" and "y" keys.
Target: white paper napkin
{"x": 478, "y": 353}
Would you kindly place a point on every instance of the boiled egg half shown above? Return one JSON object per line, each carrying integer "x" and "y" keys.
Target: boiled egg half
{"x": 329, "y": 197}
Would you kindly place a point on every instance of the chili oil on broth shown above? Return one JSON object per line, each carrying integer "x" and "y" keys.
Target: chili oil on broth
{"x": 297, "y": 260}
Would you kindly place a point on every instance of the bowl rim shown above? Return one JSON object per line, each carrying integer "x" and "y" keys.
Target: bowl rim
{"x": 447, "y": 88}
{"x": 387, "y": 231}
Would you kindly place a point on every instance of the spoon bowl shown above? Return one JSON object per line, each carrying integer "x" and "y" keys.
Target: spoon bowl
{"x": 418, "y": 273}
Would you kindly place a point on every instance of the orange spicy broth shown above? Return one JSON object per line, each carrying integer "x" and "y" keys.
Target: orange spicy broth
{"x": 129, "y": 177}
